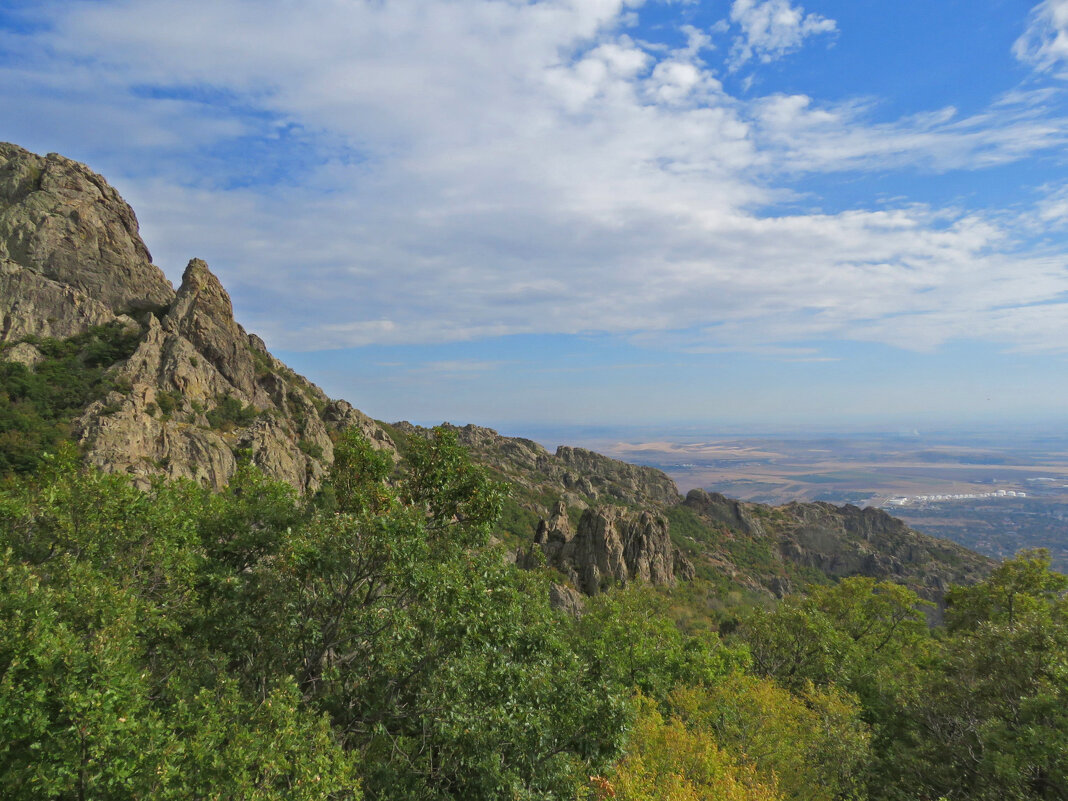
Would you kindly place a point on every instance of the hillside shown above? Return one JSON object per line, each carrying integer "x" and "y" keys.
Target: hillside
{"x": 772, "y": 550}
{"x": 164, "y": 382}
{"x": 192, "y": 392}
{"x": 327, "y": 606}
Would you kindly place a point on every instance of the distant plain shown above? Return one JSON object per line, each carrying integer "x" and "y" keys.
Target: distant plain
{"x": 1021, "y": 477}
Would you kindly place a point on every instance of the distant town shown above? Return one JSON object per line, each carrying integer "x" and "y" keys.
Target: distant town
{"x": 910, "y": 500}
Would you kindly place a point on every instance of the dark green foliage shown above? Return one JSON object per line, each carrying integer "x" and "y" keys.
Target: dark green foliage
{"x": 992, "y": 722}
{"x": 229, "y": 413}
{"x": 167, "y": 402}
{"x": 627, "y": 638}
{"x": 456, "y": 494}
{"x": 179, "y": 644}
{"x": 687, "y": 528}
{"x": 517, "y": 524}
{"x": 107, "y": 687}
{"x": 312, "y": 449}
{"x": 36, "y": 405}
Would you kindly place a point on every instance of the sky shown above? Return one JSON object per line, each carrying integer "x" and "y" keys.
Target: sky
{"x": 742, "y": 214}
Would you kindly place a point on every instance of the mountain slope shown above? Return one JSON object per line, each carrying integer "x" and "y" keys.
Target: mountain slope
{"x": 198, "y": 392}
{"x": 769, "y": 549}
{"x": 169, "y": 384}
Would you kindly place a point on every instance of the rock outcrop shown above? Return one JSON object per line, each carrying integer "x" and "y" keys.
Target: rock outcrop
{"x": 723, "y": 511}
{"x": 578, "y": 476}
{"x": 611, "y": 546}
{"x": 615, "y": 479}
{"x": 205, "y": 392}
{"x": 70, "y": 250}
{"x": 836, "y": 541}
{"x": 202, "y": 392}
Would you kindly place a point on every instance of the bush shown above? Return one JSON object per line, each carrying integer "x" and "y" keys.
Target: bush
{"x": 229, "y": 414}
{"x": 37, "y": 405}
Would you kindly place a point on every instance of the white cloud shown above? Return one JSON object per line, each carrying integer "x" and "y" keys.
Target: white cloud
{"x": 1044, "y": 45}
{"x": 1052, "y": 209}
{"x": 799, "y": 135}
{"x": 473, "y": 169}
{"x": 771, "y": 29}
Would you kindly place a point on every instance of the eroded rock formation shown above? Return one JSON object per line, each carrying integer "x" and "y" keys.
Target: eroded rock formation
{"x": 611, "y": 546}
{"x": 199, "y": 391}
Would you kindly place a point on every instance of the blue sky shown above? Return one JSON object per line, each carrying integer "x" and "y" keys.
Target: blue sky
{"x": 754, "y": 213}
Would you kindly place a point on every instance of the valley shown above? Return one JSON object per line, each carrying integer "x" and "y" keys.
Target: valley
{"x": 994, "y": 491}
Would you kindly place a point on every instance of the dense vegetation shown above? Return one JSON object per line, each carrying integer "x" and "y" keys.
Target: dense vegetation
{"x": 370, "y": 643}
{"x": 37, "y": 405}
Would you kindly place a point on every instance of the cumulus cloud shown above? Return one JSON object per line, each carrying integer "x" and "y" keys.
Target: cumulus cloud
{"x": 437, "y": 171}
{"x": 1044, "y": 45}
{"x": 771, "y": 29}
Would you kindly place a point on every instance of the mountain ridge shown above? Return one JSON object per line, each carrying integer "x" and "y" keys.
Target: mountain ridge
{"x": 198, "y": 394}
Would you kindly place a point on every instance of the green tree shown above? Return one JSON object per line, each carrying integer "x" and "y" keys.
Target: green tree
{"x": 442, "y": 665}
{"x": 107, "y": 687}
{"x": 668, "y": 761}
{"x": 992, "y": 720}
{"x": 628, "y": 639}
{"x": 813, "y": 744}
{"x": 860, "y": 633}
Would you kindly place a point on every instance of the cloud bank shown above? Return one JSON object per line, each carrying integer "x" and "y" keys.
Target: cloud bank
{"x": 430, "y": 171}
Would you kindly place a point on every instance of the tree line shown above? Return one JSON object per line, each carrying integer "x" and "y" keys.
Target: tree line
{"x": 372, "y": 642}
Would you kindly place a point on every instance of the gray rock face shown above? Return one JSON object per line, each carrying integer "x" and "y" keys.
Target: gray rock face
{"x": 618, "y": 479}
{"x": 566, "y": 599}
{"x": 64, "y": 222}
{"x": 848, "y": 541}
{"x": 187, "y": 368}
{"x": 340, "y": 414}
{"x": 23, "y": 353}
{"x": 611, "y": 546}
{"x": 203, "y": 316}
{"x": 839, "y": 541}
{"x": 579, "y": 476}
{"x": 721, "y": 510}
{"x": 32, "y": 305}
{"x": 202, "y": 390}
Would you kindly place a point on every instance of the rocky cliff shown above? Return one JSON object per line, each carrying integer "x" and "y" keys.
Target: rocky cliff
{"x": 198, "y": 392}
{"x": 578, "y": 476}
{"x": 610, "y": 547}
{"x": 583, "y": 508}
{"x": 70, "y": 253}
{"x": 835, "y": 542}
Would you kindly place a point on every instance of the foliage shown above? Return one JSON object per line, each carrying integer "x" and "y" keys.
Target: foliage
{"x": 248, "y": 644}
{"x": 517, "y": 524}
{"x": 628, "y": 639}
{"x": 37, "y": 404}
{"x": 457, "y": 495}
{"x": 992, "y": 721}
{"x": 667, "y": 761}
{"x": 107, "y": 690}
{"x": 813, "y": 745}
{"x": 858, "y": 633}
{"x": 369, "y": 642}
{"x": 312, "y": 449}
{"x": 229, "y": 413}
